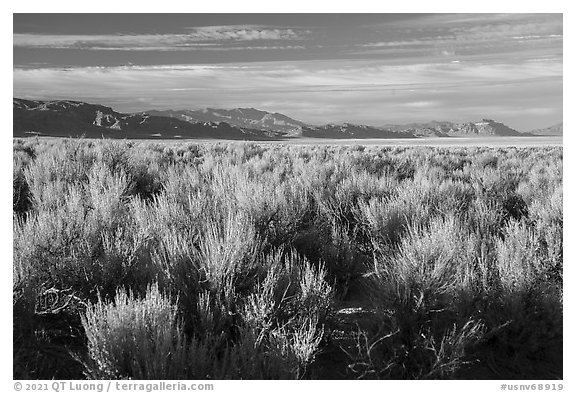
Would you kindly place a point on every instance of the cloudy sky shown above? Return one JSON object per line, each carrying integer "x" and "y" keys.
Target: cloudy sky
{"x": 363, "y": 68}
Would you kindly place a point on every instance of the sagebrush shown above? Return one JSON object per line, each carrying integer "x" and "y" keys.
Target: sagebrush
{"x": 198, "y": 261}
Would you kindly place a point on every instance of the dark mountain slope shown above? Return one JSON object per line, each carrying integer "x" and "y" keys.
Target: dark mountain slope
{"x": 77, "y": 119}
{"x": 240, "y": 117}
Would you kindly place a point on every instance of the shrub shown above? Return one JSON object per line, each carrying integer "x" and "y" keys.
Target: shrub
{"x": 135, "y": 338}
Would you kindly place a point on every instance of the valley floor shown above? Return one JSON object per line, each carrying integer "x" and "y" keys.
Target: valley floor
{"x": 504, "y": 141}
{"x": 445, "y": 142}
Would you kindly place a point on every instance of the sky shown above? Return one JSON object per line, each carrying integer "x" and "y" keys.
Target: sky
{"x": 372, "y": 69}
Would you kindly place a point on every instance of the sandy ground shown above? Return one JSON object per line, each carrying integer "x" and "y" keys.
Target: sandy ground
{"x": 537, "y": 141}
{"x": 441, "y": 142}
{"x": 496, "y": 141}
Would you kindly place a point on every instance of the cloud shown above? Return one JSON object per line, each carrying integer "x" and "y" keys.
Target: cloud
{"x": 547, "y": 28}
{"x": 198, "y": 38}
{"x": 245, "y": 33}
{"x": 422, "y": 104}
{"x": 291, "y": 76}
{"x": 464, "y": 34}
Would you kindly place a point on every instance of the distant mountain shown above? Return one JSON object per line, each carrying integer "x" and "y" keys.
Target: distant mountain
{"x": 483, "y": 128}
{"x": 554, "y": 130}
{"x": 486, "y": 127}
{"x": 239, "y": 117}
{"x": 424, "y": 130}
{"x": 65, "y": 118}
{"x": 352, "y": 131}
{"x": 73, "y": 118}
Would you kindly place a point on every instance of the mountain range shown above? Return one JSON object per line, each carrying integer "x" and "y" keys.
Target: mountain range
{"x": 554, "y": 130}
{"x": 65, "y": 118}
{"x": 239, "y": 117}
{"x": 76, "y": 119}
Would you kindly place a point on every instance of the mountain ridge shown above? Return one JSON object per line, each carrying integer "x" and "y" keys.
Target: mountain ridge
{"x": 65, "y": 118}
{"x": 553, "y": 130}
{"x": 239, "y": 117}
{"x": 434, "y": 128}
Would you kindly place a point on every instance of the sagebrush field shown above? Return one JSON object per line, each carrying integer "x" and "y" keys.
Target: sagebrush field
{"x": 247, "y": 261}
